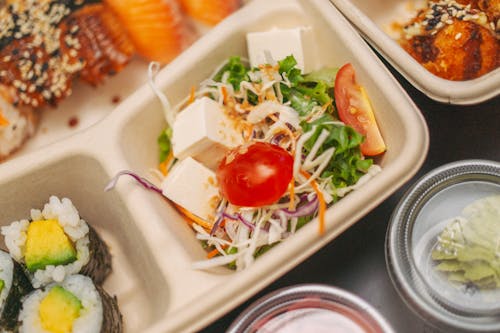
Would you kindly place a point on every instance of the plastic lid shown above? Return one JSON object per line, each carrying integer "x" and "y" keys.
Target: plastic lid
{"x": 310, "y": 308}
{"x": 443, "y": 246}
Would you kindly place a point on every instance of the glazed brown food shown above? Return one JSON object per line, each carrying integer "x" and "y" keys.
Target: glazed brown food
{"x": 105, "y": 46}
{"x": 44, "y": 45}
{"x": 490, "y": 7}
{"x": 454, "y": 41}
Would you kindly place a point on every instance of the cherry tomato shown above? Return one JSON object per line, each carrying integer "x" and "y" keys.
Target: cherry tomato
{"x": 255, "y": 175}
{"x": 355, "y": 110}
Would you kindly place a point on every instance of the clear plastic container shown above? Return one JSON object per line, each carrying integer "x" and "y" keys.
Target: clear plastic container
{"x": 310, "y": 308}
{"x": 442, "y": 246}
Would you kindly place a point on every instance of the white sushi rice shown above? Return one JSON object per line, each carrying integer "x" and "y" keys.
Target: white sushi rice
{"x": 6, "y": 274}
{"x": 22, "y": 125}
{"x": 91, "y": 315}
{"x": 75, "y": 228}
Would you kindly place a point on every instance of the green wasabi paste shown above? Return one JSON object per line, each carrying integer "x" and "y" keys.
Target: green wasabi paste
{"x": 468, "y": 249}
{"x": 2, "y": 285}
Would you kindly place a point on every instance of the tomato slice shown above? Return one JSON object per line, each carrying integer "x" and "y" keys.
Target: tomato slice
{"x": 355, "y": 110}
{"x": 255, "y": 175}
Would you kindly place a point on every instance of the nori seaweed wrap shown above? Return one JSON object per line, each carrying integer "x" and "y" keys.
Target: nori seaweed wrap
{"x": 14, "y": 285}
{"x": 56, "y": 243}
{"x": 74, "y": 305}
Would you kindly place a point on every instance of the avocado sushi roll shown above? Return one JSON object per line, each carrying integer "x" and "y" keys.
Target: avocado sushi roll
{"x": 56, "y": 243}
{"x": 14, "y": 284}
{"x": 75, "y": 305}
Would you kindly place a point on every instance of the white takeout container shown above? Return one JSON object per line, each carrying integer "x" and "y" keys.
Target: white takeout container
{"x": 373, "y": 20}
{"x": 152, "y": 245}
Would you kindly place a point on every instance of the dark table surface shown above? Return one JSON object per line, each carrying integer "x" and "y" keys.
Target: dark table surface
{"x": 355, "y": 260}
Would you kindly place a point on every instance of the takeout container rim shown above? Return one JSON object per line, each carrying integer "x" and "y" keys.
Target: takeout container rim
{"x": 446, "y": 91}
{"x": 403, "y": 273}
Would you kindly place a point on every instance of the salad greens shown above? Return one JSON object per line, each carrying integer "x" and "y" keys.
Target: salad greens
{"x": 237, "y": 71}
{"x": 165, "y": 144}
{"x": 304, "y": 93}
{"x": 307, "y": 92}
{"x": 347, "y": 164}
{"x": 281, "y": 106}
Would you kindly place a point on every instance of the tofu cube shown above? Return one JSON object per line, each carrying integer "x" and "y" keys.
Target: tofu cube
{"x": 193, "y": 187}
{"x": 281, "y": 43}
{"x": 204, "y": 132}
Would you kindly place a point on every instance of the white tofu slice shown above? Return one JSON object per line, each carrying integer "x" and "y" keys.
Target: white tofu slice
{"x": 281, "y": 43}
{"x": 204, "y": 132}
{"x": 193, "y": 187}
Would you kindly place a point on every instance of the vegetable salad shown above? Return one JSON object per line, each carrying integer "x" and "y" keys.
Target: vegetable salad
{"x": 297, "y": 157}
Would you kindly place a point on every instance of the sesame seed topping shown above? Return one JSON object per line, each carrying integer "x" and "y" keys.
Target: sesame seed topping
{"x": 441, "y": 13}
{"x": 40, "y": 67}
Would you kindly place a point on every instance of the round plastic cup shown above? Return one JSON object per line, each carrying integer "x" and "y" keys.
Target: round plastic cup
{"x": 310, "y": 308}
{"x": 442, "y": 259}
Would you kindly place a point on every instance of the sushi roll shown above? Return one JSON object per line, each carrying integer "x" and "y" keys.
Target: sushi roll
{"x": 72, "y": 306}
{"x": 16, "y": 124}
{"x": 56, "y": 243}
{"x": 14, "y": 284}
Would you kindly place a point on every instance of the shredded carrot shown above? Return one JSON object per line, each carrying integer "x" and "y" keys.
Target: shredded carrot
{"x": 326, "y": 105}
{"x": 249, "y": 132}
{"x": 163, "y": 166}
{"x": 191, "y": 218}
{"x": 292, "y": 194}
{"x": 321, "y": 199}
{"x": 287, "y": 132}
{"x": 223, "y": 90}
{"x": 192, "y": 95}
{"x": 3, "y": 121}
{"x": 214, "y": 252}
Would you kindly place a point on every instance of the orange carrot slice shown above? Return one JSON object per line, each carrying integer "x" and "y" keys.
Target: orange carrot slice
{"x": 192, "y": 95}
{"x": 291, "y": 205}
{"x": 156, "y": 27}
{"x": 191, "y": 218}
{"x": 210, "y": 12}
{"x": 3, "y": 121}
{"x": 212, "y": 253}
{"x": 215, "y": 252}
{"x": 321, "y": 199}
{"x": 164, "y": 166}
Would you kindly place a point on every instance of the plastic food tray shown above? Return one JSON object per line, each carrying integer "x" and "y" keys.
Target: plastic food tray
{"x": 152, "y": 245}
{"x": 373, "y": 19}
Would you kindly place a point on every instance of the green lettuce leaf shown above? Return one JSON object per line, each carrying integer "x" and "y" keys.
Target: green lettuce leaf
{"x": 309, "y": 91}
{"x": 238, "y": 72}
{"x": 164, "y": 143}
{"x": 347, "y": 164}
{"x": 326, "y": 75}
{"x": 287, "y": 66}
